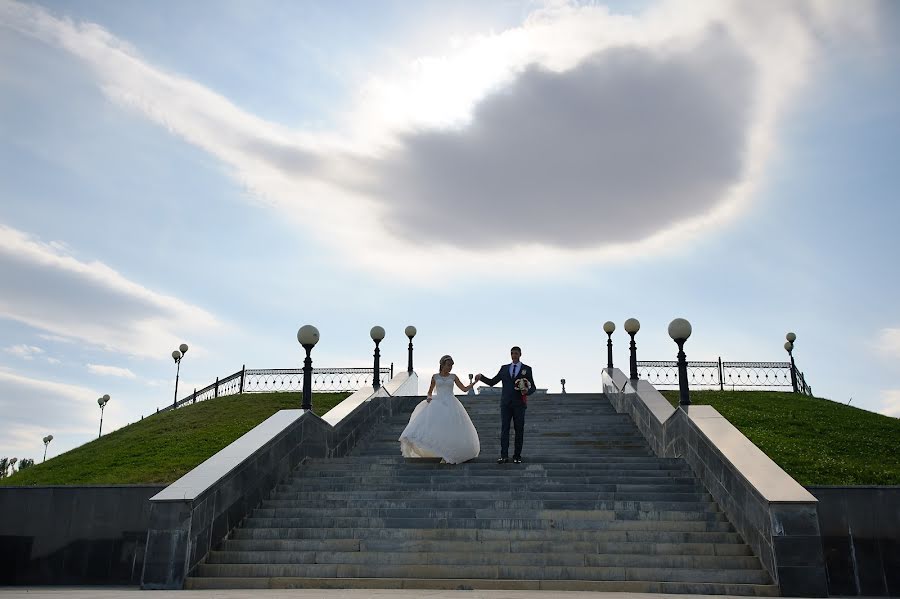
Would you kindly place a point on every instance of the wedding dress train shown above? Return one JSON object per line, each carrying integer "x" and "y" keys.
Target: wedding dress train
{"x": 440, "y": 429}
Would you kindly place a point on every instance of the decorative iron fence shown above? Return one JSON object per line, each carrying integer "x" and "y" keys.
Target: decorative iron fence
{"x": 726, "y": 375}
{"x": 273, "y": 380}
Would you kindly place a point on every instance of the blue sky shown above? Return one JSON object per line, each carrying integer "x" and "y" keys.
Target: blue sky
{"x": 493, "y": 173}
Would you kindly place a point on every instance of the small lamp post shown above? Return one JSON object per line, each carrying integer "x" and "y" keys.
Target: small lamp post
{"x": 308, "y": 336}
{"x": 12, "y": 465}
{"x": 102, "y": 401}
{"x": 410, "y": 332}
{"x": 632, "y": 326}
{"x": 563, "y": 383}
{"x": 789, "y": 348}
{"x": 47, "y": 440}
{"x": 679, "y": 331}
{"x": 608, "y": 328}
{"x": 177, "y": 355}
{"x": 472, "y": 390}
{"x": 377, "y": 334}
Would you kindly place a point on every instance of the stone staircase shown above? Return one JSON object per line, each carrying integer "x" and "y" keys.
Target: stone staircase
{"x": 591, "y": 509}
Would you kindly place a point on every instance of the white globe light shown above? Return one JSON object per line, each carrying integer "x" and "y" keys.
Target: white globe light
{"x": 788, "y": 346}
{"x": 377, "y": 333}
{"x": 410, "y": 331}
{"x": 608, "y": 327}
{"x": 791, "y": 337}
{"x": 183, "y": 347}
{"x": 632, "y": 326}
{"x": 100, "y": 401}
{"x": 308, "y": 335}
{"x": 176, "y": 355}
{"x": 679, "y": 329}
{"x": 105, "y": 398}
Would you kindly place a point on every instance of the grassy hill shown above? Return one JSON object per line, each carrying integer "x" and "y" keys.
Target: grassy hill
{"x": 818, "y": 442}
{"x": 163, "y": 447}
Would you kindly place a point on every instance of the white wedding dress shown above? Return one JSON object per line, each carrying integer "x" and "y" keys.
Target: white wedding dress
{"x": 440, "y": 429}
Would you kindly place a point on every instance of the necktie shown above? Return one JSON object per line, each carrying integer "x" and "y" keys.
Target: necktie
{"x": 514, "y": 370}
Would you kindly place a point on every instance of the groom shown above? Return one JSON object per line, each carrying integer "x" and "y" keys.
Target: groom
{"x": 512, "y": 404}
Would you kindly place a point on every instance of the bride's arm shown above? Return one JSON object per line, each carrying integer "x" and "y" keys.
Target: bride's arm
{"x": 430, "y": 389}
{"x": 460, "y": 385}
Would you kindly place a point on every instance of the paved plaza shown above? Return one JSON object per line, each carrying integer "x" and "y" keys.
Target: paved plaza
{"x": 134, "y": 592}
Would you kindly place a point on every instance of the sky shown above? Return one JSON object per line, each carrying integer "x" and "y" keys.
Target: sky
{"x": 220, "y": 173}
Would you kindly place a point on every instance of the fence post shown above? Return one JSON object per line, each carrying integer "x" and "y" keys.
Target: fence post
{"x": 194, "y": 396}
{"x": 721, "y": 376}
{"x": 392, "y": 370}
{"x": 243, "y": 370}
{"x": 217, "y": 387}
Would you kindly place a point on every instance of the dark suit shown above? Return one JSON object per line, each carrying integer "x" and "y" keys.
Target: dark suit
{"x": 511, "y": 406}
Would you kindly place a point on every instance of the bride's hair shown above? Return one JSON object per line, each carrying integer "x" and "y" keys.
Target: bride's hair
{"x": 445, "y": 359}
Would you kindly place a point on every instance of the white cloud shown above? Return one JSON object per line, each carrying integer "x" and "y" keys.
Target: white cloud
{"x": 890, "y": 403}
{"x": 888, "y": 342}
{"x": 573, "y": 123}
{"x": 26, "y": 352}
{"x": 89, "y": 301}
{"x": 111, "y": 371}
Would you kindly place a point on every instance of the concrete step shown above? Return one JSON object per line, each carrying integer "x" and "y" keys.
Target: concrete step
{"x": 563, "y": 460}
{"x": 428, "y": 495}
{"x": 622, "y": 521}
{"x": 626, "y": 586}
{"x": 487, "y": 504}
{"x": 497, "y": 546}
{"x": 520, "y": 572}
{"x": 450, "y": 513}
{"x": 622, "y": 535}
{"x": 468, "y": 558}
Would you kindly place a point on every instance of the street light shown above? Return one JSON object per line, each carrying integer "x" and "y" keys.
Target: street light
{"x": 177, "y": 355}
{"x": 12, "y": 465}
{"x": 563, "y": 383}
{"x": 377, "y": 334}
{"x": 632, "y": 326}
{"x": 679, "y": 331}
{"x": 608, "y": 328}
{"x": 102, "y": 401}
{"x": 308, "y": 336}
{"x": 789, "y": 348}
{"x": 47, "y": 440}
{"x": 410, "y": 332}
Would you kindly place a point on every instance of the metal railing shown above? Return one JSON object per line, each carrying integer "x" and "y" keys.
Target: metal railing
{"x": 721, "y": 375}
{"x": 274, "y": 380}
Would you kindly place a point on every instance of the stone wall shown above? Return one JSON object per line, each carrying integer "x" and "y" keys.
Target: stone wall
{"x": 73, "y": 535}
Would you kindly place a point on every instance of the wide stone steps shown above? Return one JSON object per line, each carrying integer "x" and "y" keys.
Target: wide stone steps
{"x": 591, "y": 508}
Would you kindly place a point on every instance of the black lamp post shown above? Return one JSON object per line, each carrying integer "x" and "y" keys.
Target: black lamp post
{"x": 789, "y": 347}
{"x": 102, "y": 401}
{"x": 679, "y": 331}
{"x": 47, "y": 440}
{"x": 563, "y": 383}
{"x": 608, "y": 328}
{"x": 410, "y": 332}
{"x": 308, "y": 336}
{"x": 377, "y": 334}
{"x": 177, "y": 355}
{"x": 632, "y": 326}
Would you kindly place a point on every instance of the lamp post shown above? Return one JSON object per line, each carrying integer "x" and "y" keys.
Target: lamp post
{"x": 789, "y": 347}
{"x": 563, "y": 383}
{"x": 472, "y": 389}
{"x": 377, "y": 334}
{"x": 47, "y": 440}
{"x": 632, "y": 326}
{"x": 102, "y": 401}
{"x": 177, "y": 355}
{"x": 12, "y": 465}
{"x": 679, "y": 331}
{"x": 410, "y": 332}
{"x": 608, "y": 328}
{"x": 308, "y": 336}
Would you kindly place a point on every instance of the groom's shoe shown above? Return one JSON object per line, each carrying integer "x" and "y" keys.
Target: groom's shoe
{"x": 502, "y": 460}
{"x": 517, "y": 460}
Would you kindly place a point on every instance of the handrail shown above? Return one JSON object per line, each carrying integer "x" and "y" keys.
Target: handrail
{"x": 736, "y": 375}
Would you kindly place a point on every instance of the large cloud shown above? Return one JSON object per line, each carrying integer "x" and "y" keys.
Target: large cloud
{"x": 579, "y": 132}
{"x": 624, "y": 144}
{"x": 47, "y": 288}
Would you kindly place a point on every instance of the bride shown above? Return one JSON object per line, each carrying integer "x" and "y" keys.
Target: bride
{"x": 440, "y": 427}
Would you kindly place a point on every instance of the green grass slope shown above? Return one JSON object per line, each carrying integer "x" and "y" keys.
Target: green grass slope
{"x": 163, "y": 447}
{"x": 816, "y": 441}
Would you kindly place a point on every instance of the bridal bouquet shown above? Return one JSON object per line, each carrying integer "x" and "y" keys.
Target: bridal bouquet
{"x": 522, "y": 385}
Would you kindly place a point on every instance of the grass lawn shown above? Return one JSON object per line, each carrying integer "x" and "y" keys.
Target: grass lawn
{"x": 818, "y": 442}
{"x": 163, "y": 447}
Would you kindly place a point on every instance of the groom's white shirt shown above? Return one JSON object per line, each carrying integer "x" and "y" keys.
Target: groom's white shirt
{"x": 514, "y": 368}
